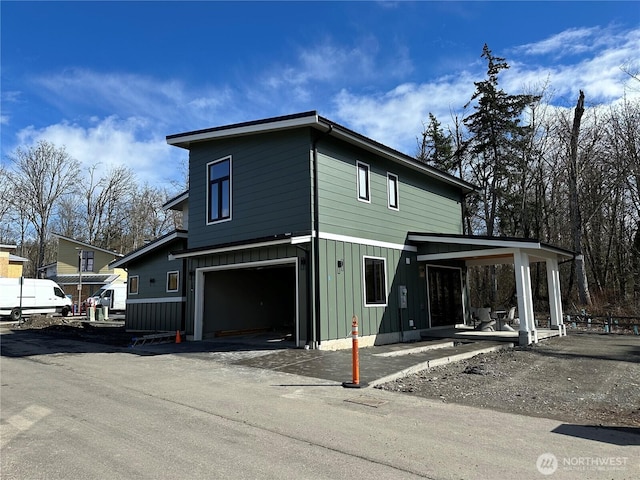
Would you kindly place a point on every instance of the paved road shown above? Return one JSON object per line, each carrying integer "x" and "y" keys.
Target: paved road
{"x": 72, "y": 410}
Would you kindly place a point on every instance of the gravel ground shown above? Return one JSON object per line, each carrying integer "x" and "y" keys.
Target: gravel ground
{"x": 584, "y": 378}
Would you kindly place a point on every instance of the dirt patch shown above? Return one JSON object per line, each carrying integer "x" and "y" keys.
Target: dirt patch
{"x": 107, "y": 333}
{"x": 583, "y": 378}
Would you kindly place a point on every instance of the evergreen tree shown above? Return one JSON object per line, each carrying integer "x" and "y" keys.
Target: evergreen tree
{"x": 436, "y": 147}
{"x": 497, "y": 137}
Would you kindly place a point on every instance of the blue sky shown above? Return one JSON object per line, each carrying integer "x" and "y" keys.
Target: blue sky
{"x": 109, "y": 80}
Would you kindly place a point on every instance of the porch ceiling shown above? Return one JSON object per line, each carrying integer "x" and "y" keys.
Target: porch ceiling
{"x": 496, "y": 250}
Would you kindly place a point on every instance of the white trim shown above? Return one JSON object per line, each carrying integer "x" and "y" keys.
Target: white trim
{"x": 177, "y": 272}
{"x": 208, "y": 186}
{"x": 245, "y": 246}
{"x": 364, "y": 282}
{"x": 545, "y": 251}
{"x": 487, "y": 242}
{"x": 153, "y": 245}
{"x": 176, "y": 201}
{"x": 368, "y": 167}
{"x": 367, "y": 241}
{"x": 132, "y": 301}
{"x": 129, "y": 292}
{"x": 200, "y": 282}
{"x": 245, "y": 130}
{"x": 397, "y": 186}
{"x": 301, "y": 239}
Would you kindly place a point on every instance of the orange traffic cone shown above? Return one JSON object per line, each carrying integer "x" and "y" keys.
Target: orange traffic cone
{"x": 178, "y": 338}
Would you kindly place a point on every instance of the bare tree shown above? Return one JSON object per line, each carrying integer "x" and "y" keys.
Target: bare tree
{"x": 42, "y": 175}
{"x": 104, "y": 201}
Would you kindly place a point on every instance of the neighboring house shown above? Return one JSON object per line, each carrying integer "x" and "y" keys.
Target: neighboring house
{"x": 11, "y": 266}
{"x": 83, "y": 268}
{"x": 298, "y": 224}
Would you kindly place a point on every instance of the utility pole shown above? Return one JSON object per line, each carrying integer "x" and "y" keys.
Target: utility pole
{"x": 80, "y": 252}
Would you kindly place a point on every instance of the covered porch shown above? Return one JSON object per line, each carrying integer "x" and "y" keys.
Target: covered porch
{"x": 469, "y": 333}
{"x": 440, "y": 249}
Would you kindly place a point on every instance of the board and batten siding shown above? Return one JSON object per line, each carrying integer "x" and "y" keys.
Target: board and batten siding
{"x": 425, "y": 204}
{"x": 342, "y": 291}
{"x": 154, "y": 317}
{"x": 271, "y": 187}
{"x": 247, "y": 257}
{"x": 153, "y": 308}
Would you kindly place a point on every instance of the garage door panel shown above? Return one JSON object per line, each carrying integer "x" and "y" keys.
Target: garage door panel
{"x": 244, "y": 300}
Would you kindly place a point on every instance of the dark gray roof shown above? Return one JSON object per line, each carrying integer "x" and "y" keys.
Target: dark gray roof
{"x": 87, "y": 279}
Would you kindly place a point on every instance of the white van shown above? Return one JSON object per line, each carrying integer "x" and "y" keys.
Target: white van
{"x": 113, "y": 296}
{"x": 38, "y": 296}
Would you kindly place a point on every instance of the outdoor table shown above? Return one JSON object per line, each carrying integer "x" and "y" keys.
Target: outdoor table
{"x": 500, "y": 316}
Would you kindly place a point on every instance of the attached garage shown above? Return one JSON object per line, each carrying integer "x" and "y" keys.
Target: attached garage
{"x": 257, "y": 298}
{"x": 261, "y": 296}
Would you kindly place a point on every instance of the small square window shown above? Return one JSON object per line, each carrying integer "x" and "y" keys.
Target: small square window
{"x": 133, "y": 285}
{"x": 392, "y": 191}
{"x": 363, "y": 182}
{"x": 172, "y": 281}
{"x": 375, "y": 282}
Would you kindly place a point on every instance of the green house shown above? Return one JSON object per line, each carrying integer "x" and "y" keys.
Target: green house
{"x": 297, "y": 224}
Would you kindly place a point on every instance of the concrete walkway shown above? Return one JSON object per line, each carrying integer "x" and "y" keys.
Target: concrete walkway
{"x": 378, "y": 364}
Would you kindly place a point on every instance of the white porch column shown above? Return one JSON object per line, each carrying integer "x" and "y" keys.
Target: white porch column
{"x": 528, "y": 332}
{"x": 555, "y": 296}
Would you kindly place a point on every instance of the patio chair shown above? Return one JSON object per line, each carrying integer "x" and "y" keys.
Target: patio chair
{"x": 486, "y": 322}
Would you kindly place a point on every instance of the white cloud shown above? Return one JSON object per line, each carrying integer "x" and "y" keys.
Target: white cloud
{"x": 162, "y": 101}
{"x": 569, "y": 42}
{"x": 396, "y": 117}
{"x": 599, "y": 73}
{"x": 112, "y": 142}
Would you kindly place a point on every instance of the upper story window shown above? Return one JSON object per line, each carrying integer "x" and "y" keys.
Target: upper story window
{"x": 364, "y": 190}
{"x": 86, "y": 263}
{"x": 219, "y": 190}
{"x": 392, "y": 191}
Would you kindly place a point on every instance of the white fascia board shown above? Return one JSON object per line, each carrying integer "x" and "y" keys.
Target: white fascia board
{"x": 493, "y": 256}
{"x": 367, "y": 241}
{"x": 179, "y": 199}
{"x": 310, "y": 120}
{"x": 474, "y": 241}
{"x": 148, "y": 248}
{"x": 270, "y": 243}
{"x": 301, "y": 239}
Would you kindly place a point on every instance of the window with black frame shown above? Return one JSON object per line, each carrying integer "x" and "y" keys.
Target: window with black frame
{"x": 219, "y": 190}
{"x": 375, "y": 281}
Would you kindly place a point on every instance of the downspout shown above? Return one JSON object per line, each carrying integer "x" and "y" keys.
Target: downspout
{"x": 315, "y": 328}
